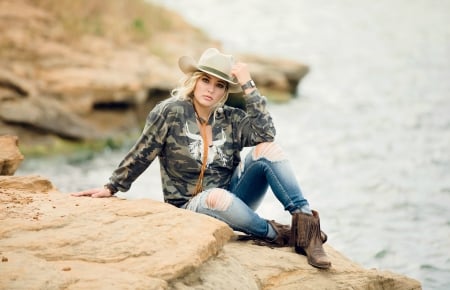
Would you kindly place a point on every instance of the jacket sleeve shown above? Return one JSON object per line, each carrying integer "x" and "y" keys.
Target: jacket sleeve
{"x": 256, "y": 126}
{"x": 142, "y": 154}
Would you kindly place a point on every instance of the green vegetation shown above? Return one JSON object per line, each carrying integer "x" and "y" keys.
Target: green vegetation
{"x": 79, "y": 150}
{"x": 119, "y": 20}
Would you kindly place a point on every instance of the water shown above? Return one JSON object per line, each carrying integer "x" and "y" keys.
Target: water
{"x": 369, "y": 134}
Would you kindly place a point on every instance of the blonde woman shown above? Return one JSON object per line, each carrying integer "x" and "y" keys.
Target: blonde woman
{"x": 198, "y": 140}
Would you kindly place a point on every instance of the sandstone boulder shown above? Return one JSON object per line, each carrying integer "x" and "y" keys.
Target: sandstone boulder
{"x": 51, "y": 240}
{"x": 10, "y": 156}
{"x": 276, "y": 74}
{"x": 48, "y": 115}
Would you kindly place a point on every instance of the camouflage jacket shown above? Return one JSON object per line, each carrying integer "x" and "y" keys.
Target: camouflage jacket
{"x": 171, "y": 133}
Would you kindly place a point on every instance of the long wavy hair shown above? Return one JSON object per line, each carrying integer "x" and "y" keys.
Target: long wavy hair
{"x": 185, "y": 90}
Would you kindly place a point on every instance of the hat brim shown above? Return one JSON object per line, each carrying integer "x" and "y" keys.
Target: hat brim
{"x": 188, "y": 65}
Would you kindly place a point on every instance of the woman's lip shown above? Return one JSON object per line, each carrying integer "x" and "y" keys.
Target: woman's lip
{"x": 209, "y": 98}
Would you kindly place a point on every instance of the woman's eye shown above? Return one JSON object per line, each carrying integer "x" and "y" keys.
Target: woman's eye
{"x": 205, "y": 80}
{"x": 220, "y": 86}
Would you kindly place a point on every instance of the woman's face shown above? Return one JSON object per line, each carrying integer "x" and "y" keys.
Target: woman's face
{"x": 208, "y": 91}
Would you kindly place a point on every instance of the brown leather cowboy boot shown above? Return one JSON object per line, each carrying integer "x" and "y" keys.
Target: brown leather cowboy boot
{"x": 306, "y": 237}
{"x": 283, "y": 234}
{"x": 323, "y": 237}
{"x": 281, "y": 240}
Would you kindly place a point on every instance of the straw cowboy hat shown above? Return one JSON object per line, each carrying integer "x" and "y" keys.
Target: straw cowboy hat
{"x": 214, "y": 63}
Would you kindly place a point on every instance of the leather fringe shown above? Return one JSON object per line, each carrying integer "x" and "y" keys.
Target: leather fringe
{"x": 304, "y": 227}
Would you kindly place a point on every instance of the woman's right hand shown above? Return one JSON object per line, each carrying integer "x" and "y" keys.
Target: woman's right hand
{"x": 94, "y": 192}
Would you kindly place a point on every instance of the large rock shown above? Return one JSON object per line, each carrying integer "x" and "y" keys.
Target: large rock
{"x": 51, "y": 240}
{"x": 276, "y": 74}
{"x": 49, "y": 115}
{"x": 89, "y": 243}
{"x": 10, "y": 156}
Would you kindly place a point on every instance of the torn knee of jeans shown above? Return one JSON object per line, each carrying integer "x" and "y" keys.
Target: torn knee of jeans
{"x": 218, "y": 199}
{"x": 269, "y": 150}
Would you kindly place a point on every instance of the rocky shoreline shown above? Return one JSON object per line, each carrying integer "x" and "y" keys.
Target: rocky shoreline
{"x": 51, "y": 240}
{"x": 54, "y": 86}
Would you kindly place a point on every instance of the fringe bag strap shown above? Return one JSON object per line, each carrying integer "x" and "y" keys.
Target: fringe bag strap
{"x": 199, "y": 186}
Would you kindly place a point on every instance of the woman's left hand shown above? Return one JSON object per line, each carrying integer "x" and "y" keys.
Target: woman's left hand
{"x": 241, "y": 72}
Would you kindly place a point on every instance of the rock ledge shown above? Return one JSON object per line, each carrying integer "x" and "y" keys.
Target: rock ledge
{"x": 51, "y": 240}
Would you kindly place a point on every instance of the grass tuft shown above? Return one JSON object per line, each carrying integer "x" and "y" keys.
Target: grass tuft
{"x": 119, "y": 20}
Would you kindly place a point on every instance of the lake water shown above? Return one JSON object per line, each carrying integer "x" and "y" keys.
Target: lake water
{"x": 368, "y": 135}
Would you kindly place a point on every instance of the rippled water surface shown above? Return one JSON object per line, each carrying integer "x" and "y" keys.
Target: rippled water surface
{"x": 369, "y": 134}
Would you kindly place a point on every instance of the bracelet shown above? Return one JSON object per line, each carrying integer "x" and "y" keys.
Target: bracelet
{"x": 248, "y": 85}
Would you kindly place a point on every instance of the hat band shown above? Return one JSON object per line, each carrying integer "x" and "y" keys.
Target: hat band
{"x": 215, "y": 71}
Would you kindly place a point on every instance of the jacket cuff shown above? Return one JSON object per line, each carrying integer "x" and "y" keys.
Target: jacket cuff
{"x": 111, "y": 188}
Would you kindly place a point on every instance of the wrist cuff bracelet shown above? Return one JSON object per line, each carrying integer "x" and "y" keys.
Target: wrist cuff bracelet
{"x": 248, "y": 85}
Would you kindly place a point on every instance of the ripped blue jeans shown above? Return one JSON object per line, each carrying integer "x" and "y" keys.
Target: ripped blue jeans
{"x": 265, "y": 165}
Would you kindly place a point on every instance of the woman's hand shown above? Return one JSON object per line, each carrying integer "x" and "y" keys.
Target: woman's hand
{"x": 94, "y": 192}
{"x": 241, "y": 72}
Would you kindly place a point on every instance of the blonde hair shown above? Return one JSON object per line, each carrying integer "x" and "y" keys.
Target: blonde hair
{"x": 185, "y": 90}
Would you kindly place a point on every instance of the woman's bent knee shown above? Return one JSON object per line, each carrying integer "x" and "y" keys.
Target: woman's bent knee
{"x": 270, "y": 151}
{"x": 218, "y": 199}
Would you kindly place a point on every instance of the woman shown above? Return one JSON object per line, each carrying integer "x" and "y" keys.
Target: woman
{"x": 198, "y": 140}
